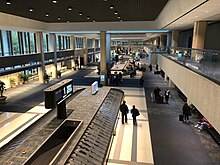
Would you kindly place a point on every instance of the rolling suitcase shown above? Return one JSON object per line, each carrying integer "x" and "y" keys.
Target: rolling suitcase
{"x": 180, "y": 117}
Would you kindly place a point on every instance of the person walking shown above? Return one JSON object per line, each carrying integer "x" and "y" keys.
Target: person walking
{"x": 167, "y": 95}
{"x": 135, "y": 113}
{"x": 141, "y": 81}
{"x": 124, "y": 112}
{"x": 186, "y": 112}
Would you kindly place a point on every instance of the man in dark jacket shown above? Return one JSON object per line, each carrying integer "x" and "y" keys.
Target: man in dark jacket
{"x": 124, "y": 111}
{"x": 135, "y": 113}
{"x": 186, "y": 112}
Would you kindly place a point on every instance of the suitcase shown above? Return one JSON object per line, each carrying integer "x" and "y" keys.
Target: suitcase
{"x": 181, "y": 117}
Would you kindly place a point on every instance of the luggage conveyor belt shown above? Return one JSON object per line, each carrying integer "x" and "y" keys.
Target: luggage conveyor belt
{"x": 93, "y": 146}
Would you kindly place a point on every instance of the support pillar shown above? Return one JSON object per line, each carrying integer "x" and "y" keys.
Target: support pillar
{"x": 175, "y": 39}
{"x": 94, "y": 49}
{"x": 73, "y": 47}
{"x": 85, "y": 51}
{"x": 103, "y": 65}
{"x": 199, "y": 34}
{"x": 40, "y": 49}
{"x": 53, "y": 47}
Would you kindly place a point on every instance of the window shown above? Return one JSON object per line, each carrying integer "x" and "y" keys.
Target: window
{"x": 33, "y": 43}
{"x": 46, "y": 42}
{"x": 8, "y": 51}
{"x": 97, "y": 43}
{"x": 26, "y": 43}
{"x": 67, "y": 42}
{"x": 89, "y": 43}
{"x": 79, "y": 42}
{"x": 15, "y": 43}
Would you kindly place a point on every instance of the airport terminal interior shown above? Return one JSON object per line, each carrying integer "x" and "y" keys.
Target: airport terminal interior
{"x": 110, "y": 82}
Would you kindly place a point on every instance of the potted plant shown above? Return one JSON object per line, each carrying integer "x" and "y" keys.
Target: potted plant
{"x": 2, "y": 89}
{"x": 12, "y": 82}
{"x": 23, "y": 77}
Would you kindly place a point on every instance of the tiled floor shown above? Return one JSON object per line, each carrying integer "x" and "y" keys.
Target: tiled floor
{"x": 132, "y": 143}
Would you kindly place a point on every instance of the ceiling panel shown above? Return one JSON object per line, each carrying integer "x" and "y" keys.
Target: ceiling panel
{"x": 128, "y": 10}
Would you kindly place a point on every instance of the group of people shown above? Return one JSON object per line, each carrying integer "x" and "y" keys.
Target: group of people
{"x": 158, "y": 97}
{"x": 124, "y": 111}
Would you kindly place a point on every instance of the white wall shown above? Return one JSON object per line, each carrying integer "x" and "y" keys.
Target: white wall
{"x": 201, "y": 92}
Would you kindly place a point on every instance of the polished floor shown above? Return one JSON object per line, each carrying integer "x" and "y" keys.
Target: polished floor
{"x": 158, "y": 138}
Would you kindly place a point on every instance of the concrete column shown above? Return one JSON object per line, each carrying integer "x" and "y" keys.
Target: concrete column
{"x": 85, "y": 52}
{"x": 53, "y": 47}
{"x": 40, "y": 49}
{"x": 73, "y": 47}
{"x": 108, "y": 48}
{"x": 199, "y": 34}
{"x": 93, "y": 46}
{"x": 162, "y": 40}
{"x": 103, "y": 64}
{"x": 169, "y": 39}
{"x": 175, "y": 38}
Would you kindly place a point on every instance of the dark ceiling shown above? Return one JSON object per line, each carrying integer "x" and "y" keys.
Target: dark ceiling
{"x": 128, "y": 10}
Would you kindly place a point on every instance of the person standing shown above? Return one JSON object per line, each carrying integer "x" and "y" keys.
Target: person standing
{"x": 150, "y": 67}
{"x": 124, "y": 112}
{"x": 167, "y": 95}
{"x": 141, "y": 81}
{"x": 135, "y": 113}
{"x": 186, "y": 112}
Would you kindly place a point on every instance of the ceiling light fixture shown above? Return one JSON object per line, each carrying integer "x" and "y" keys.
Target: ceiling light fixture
{"x": 54, "y": 1}
{"x": 105, "y": 0}
{"x": 119, "y": 17}
{"x": 47, "y": 15}
{"x": 70, "y": 8}
{"x": 31, "y": 9}
{"x": 87, "y": 17}
{"x": 68, "y": 21}
{"x": 116, "y": 12}
{"x": 8, "y": 2}
{"x": 111, "y": 7}
{"x": 59, "y": 18}
{"x": 80, "y": 13}
{"x": 93, "y": 20}
{"x": 121, "y": 20}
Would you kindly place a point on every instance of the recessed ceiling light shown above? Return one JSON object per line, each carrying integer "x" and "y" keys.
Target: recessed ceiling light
{"x": 87, "y": 17}
{"x": 121, "y": 20}
{"x": 105, "y": 0}
{"x": 111, "y": 7}
{"x": 54, "y": 1}
{"x": 47, "y": 15}
{"x": 59, "y": 18}
{"x": 93, "y": 20}
{"x": 68, "y": 21}
{"x": 70, "y": 8}
{"x": 80, "y": 13}
{"x": 8, "y": 2}
{"x": 116, "y": 12}
{"x": 31, "y": 9}
{"x": 119, "y": 17}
